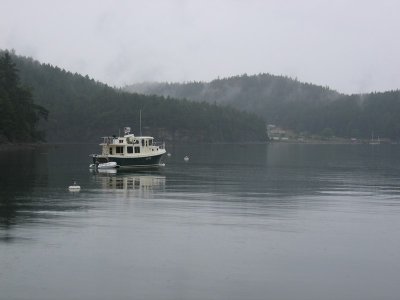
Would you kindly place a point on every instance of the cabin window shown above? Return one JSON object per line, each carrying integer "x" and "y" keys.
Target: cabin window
{"x": 129, "y": 149}
{"x": 119, "y": 149}
{"x": 137, "y": 149}
{"x": 121, "y": 141}
{"x": 147, "y": 143}
{"x": 150, "y": 142}
{"x": 143, "y": 143}
{"x": 110, "y": 150}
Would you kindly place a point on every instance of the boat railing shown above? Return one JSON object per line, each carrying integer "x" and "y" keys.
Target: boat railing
{"x": 108, "y": 140}
{"x": 160, "y": 145}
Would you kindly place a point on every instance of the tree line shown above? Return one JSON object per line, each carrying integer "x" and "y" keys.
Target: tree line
{"x": 81, "y": 109}
{"x": 286, "y": 102}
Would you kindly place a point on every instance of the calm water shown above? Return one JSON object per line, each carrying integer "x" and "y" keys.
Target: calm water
{"x": 235, "y": 222}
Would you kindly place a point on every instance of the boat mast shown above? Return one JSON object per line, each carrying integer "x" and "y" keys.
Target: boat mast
{"x": 140, "y": 121}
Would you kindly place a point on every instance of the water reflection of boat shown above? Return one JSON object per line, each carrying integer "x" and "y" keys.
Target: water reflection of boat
{"x": 374, "y": 141}
{"x": 129, "y": 181}
{"x": 106, "y": 171}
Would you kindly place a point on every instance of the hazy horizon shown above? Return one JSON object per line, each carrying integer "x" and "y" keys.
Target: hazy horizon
{"x": 350, "y": 46}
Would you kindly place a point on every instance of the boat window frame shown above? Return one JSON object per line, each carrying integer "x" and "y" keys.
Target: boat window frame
{"x": 119, "y": 150}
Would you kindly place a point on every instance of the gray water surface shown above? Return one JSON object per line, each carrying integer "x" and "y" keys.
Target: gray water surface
{"x": 275, "y": 221}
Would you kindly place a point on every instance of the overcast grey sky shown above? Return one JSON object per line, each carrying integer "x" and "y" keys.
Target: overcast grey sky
{"x": 350, "y": 45}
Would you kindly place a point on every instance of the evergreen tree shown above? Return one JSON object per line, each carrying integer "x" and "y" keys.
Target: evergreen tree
{"x": 19, "y": 114}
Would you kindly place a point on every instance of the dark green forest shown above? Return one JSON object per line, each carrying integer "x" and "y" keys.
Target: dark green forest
{"x": 82, "y": 110}
{"x": 291, "y": 104}
{"x": 19, "y": 114}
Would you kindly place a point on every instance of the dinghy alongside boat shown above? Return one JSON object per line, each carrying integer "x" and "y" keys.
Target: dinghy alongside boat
{"x": 107, "y": 165}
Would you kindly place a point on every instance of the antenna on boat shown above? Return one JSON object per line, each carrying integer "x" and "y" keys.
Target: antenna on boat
{"x": 140, "y": 121}
{"x": 127, "y": 130}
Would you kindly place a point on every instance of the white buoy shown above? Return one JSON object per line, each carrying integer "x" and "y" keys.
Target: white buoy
{"x": 168, "y": 154}
{"x": 186, "y": 158}
{"x": 74, "y": 187}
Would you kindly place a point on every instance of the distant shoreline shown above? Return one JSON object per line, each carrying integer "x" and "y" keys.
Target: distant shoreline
{"x": 25, "y": 146}
{"x": 335, "y": 141}
{"x": 19, "y": 146}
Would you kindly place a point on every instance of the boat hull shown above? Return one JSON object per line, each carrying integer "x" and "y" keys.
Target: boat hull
{"x": 136, "y": 162}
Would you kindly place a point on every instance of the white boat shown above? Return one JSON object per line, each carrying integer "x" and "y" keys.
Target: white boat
{"x": 129, "y": 151}
{"x": 108, "y": 165}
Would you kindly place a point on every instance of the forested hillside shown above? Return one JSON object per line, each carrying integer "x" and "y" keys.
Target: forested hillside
{"x": 302, "y": 107}
{"x": 82, "y": 110}
{"x": 19, "y": 114}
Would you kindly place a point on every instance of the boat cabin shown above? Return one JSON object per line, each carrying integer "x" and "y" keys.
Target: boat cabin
{"x": 130, "y": 145}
